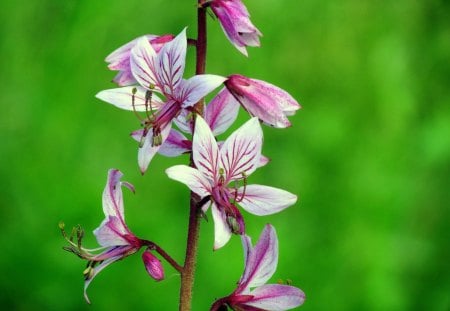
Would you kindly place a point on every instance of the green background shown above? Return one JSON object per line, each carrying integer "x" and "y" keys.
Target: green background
{"x": 368, "y": 155}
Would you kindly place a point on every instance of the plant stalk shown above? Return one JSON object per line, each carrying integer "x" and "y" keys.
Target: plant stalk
{"x": 188, "y": 271}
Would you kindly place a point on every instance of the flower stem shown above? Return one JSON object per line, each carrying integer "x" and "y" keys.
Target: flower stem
{"x": 163, "y": 254}
{"x": 188, "y": 271}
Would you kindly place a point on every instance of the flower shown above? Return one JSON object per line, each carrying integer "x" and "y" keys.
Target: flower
{"x": 120, "y": 58}
{"x": 216, "y": 168}
{"x": 163, "y": 73}
{"x": 269, "y": 103}
{"x": 252, "y": 294}
{"x": 220, "y": 113}
{"x": 113, "y": 235}
{"x": 235, "y": 21}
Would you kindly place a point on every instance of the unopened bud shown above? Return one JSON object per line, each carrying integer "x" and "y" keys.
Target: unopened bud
{"x": 153, "y": 265}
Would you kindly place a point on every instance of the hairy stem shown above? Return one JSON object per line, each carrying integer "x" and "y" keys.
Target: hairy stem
{"x": 188, "y": 271}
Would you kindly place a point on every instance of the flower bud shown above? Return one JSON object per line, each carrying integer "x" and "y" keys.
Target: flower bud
{"x": 153, "y": 265}
{"x": 268, "y": 102}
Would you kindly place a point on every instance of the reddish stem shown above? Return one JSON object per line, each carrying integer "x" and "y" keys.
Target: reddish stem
{"x": 188, "y": 271}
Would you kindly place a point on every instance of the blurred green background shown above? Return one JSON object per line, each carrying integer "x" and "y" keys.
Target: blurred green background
{"x": 369, "y": 153}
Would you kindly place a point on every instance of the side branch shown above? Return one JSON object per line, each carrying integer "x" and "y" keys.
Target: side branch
{"x": 164, "y": 255}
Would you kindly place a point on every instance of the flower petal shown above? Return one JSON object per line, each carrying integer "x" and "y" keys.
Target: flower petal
{"x": 170, "y": 63}
{"x": 112, "y": 195}
{"x": 191, "y": 177}
{"x": 197, "y": 87}
{"x": 264, "y": 200}
{"x": 240, "y": 153}
{"x": 142, "y": 61}
{"x": 95, "y": 271}
{"x": 148, "y": 149}
{"x": 263, "y": 161}
{"x": 175, "y": 145}
{"x": 111, "y": 232}
{"x": 261, "y": 261}
{"x": 222, "y": 232}
{"x": 221, "y": 112}
{"x": 205, "y": 151}
{"x": 276, "y": 297}
{"x": 123, "y": 98}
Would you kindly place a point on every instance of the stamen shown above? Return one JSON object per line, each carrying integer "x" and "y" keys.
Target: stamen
{"x": 244, "y": 176}
{"x": 221, "y": 176}
{"x": 156, "y": 140}
{"x": 133, "y": 93}
{"x": 144, "y": 134}
{"x": 148, "y": 102}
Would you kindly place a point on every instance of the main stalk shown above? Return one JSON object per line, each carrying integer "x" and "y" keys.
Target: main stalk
{"x": 188, "y": 271}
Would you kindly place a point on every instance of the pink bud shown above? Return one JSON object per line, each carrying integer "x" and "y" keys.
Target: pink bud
{"x": 153, "y": 265}
{"x": 266, "y": 101}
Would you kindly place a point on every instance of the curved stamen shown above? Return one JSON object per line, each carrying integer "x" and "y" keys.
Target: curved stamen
{"x": 244, "y": 176}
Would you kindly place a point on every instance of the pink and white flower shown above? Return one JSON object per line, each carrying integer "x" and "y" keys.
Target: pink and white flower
{"x": 220, "y": 114}
{"x": 162, "y": 73}
{"x": 235, "y": 21}
{"x": 217, "y": 167}
{"x": 266, "y": 101}
{"x": 120, "y": 58}
{"x": 252, "y": 292}
{"x": 114, "y": 236}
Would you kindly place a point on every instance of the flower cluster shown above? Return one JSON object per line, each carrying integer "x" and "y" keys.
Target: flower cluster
{"x": 174, "y": 120}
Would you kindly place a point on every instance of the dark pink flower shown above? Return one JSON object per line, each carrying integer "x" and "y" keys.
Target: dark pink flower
{"x": 235, "y": 21}
{"x": 120, "y": 58}
{"x": 266, "y": 101}
{"x": 231, "y": 163}
{"x": 252, "y": 294}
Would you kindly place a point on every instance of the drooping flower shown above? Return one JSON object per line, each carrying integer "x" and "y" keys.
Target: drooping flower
{"x": 120, "y": 58}
{"x": 235, "y": 21}
{"x": 252, "y": 292}
{"x": 266, "y": 101}
{"x": 113, "y": 235}
{"x": 232, "y": 162}
{"x": 163, "y": 73}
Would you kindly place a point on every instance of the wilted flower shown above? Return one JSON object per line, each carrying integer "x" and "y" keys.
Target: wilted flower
{"x": 163, "y": 73}
{"x": 252, "y": 294}
{"x": 113, "y": 235}
{"x": 235, "y": 21}
{"x": 120, "y": 58}
{"x": 266, "y": 101}
{"x": 216, "y": 168}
